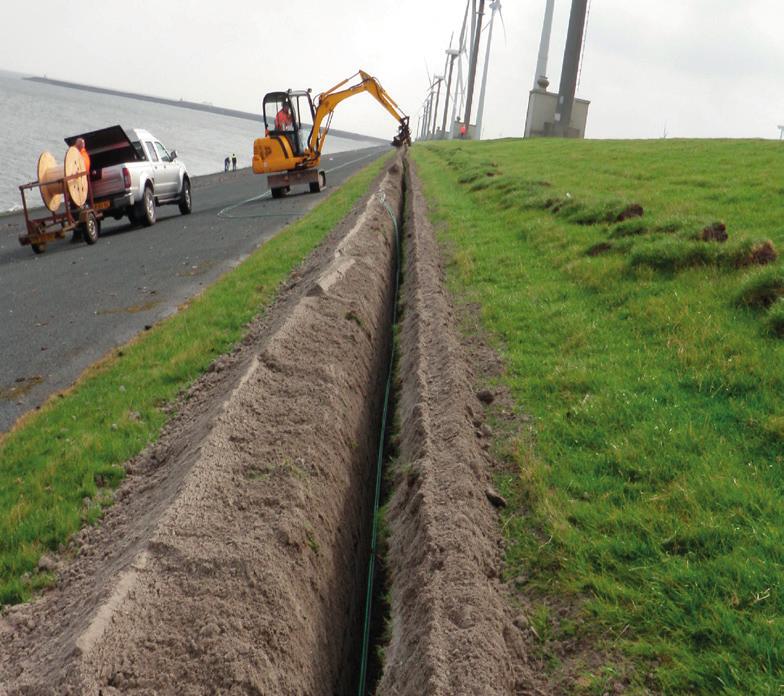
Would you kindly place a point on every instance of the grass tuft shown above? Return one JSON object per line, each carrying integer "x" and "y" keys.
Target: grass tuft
{"x": 774, "y": 321}
{"x": 761, "y": 289}
{"x": 629, "y": 228}
{"x": 672, "y": 254}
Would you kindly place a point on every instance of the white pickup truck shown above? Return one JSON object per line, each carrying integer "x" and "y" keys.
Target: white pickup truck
{"x": 131, "y": 173}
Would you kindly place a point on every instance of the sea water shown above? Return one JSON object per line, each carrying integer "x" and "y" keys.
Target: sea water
{"x": 36, "y": 116}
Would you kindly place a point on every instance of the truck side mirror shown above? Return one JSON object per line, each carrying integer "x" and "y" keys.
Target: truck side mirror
{"x": 173, "y": 155}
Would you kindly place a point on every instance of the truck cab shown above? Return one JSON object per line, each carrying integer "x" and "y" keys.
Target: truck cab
{"x": 132, "y": 172}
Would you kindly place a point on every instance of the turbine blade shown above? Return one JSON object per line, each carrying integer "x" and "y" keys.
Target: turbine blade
{"x": 503, "y": 24}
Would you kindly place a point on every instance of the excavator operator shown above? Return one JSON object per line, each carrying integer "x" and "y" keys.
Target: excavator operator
{"x": 283, "y": 120}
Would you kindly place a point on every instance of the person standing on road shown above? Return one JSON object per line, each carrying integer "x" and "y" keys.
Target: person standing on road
{"x": 226, "y": 163}
{"x": 79, "y": 144}
{"x": 234, "y": 162}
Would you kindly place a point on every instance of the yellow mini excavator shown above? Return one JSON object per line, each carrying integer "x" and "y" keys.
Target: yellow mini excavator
{"x": 291, "y": 153}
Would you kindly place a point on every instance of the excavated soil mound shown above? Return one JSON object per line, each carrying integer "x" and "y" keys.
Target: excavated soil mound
{"x": 451, "y": 631}
{"x": 234, "y": 559}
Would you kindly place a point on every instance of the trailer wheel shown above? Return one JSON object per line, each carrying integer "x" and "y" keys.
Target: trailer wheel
{"x": 277, "y": 192}
{"x": 186, "y": 204}
{"x": 145, "y": 213}
{"x": 90, "y": 229}
{"x": 38, "y": 248}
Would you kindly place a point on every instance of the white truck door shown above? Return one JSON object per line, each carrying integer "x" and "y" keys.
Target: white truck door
{"x": 157, "y": 167}
{"x": 171, "y": 175}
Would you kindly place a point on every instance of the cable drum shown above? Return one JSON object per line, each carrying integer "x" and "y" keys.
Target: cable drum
{"x": 51, "y": 175}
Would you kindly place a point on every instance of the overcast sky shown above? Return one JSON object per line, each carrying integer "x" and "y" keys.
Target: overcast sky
{"x": 700, "y": 68}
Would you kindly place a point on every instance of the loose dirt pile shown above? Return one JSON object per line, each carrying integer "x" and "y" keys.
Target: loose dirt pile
{"x": 234, "y": 561}
{"x": 451, "y": 632}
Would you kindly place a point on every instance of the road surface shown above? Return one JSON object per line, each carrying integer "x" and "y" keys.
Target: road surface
{"x": 63, "y": 310}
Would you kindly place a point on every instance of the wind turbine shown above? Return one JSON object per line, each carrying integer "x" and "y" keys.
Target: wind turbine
{"x": 451, "y": 53}
{"x": 428, "y": 106}
{"x": 438, "y": 79}
{"x": 449, "y": 87}
{"x": 473, "y": 62}
{"x": 495, "y": 6}
{"x": 460, "y": 89}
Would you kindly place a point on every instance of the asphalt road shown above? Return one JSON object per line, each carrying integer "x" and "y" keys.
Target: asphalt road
{"x": 63, "y": 310}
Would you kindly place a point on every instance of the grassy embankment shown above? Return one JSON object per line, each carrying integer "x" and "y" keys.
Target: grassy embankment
{"x": 74, "y": 447}
{"x": 650, "y": 493}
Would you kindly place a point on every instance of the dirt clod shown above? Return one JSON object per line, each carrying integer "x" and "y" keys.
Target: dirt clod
{"x": 715, "y": 232}
{"x": 485, "y": 396}
{"x": 495, "y": 498}
{"x": 763, "y": 253}
{"x": 633, "y": 210}
{"x": 47, "y": 564}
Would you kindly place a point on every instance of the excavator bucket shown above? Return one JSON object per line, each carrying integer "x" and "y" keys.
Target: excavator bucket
{"x": 403, "y": 136}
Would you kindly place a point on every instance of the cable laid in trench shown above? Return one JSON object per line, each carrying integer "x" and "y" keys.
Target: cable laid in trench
{"x": 362, "y": 688}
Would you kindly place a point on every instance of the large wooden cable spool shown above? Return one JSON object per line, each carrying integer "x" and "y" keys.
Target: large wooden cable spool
{"x": 51, "y": 175}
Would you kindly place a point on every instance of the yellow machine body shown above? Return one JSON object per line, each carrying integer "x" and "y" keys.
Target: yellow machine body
{"x": 275, "y": 154}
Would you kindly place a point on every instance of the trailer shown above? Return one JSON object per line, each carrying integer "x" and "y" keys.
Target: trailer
{"x": 58, "y": 186}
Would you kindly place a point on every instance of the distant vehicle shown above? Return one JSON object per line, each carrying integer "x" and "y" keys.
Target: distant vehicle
{"x": 131, "y": 173}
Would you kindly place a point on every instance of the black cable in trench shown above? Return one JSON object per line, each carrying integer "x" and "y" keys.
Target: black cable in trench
{"x": 379, "y": 464}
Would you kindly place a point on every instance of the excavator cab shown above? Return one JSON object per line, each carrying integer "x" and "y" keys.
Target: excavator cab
{"x": 283, "y": 118}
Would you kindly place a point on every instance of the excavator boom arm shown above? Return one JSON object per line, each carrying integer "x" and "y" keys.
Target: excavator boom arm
{"x": 327, "y": 101}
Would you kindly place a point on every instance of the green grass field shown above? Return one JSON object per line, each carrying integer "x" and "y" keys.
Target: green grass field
{"x": 650, "y": 492}
{"x": 57, "y": 470}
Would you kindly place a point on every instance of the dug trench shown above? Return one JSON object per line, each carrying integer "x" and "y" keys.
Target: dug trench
{"x": 235, "y": 557}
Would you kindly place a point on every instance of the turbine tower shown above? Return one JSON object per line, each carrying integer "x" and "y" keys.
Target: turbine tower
{"x": 460, "y": 88}
{"x": 495, "y": 6}
{"x": 540, "y": 79}
{"x": 472, "y": 66}
{"x": 571, "y": 67}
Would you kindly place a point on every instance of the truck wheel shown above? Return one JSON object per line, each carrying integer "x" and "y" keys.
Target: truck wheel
{"x": 90, "y": 229}
{"x": 146, "y": 210}
{"x": 277, "y": 192}
{"x": 38, "y": 248}
{"x": 186, "y": 204}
